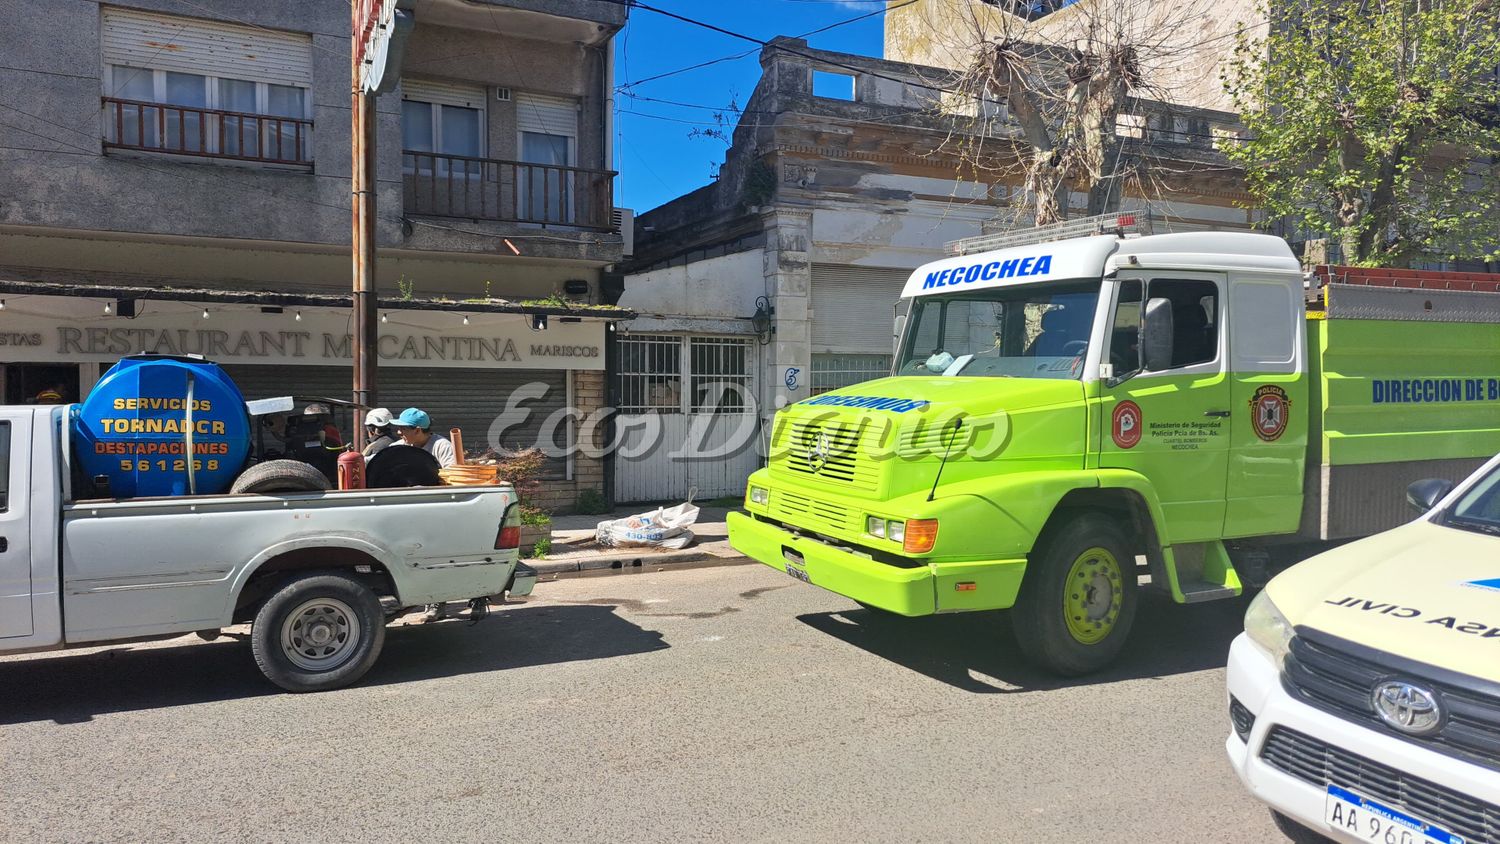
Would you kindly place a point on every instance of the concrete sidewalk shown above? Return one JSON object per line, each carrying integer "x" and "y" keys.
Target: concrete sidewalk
{"x": 574, "y": 550}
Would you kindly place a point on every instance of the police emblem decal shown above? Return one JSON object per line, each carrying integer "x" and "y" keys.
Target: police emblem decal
{"x": 1270, "y": 411}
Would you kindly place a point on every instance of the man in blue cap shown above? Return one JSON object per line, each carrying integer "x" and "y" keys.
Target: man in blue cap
{"x": 414, "y": 428}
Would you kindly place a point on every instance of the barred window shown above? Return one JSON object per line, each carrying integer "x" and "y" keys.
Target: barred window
{"x": 720, "y": 374}
{"x": 649, "y": 378}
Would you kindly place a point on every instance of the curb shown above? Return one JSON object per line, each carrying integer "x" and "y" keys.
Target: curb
{"x": 625, "y": 563}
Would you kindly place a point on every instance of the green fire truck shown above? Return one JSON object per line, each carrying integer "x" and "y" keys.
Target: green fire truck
{"x": 1060, "y": 411}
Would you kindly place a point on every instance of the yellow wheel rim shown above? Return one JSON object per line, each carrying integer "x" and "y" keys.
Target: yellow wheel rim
{"x": 1093, "y": 595}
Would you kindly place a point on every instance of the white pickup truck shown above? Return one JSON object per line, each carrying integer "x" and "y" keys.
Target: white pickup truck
{"x": 318, "y": 574}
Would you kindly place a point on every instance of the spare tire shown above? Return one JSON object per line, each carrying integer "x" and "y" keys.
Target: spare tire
{"x": 280, "y": 476}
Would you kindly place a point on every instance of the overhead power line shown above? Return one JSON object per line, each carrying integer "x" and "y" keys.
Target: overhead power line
{"x": 741, "y": 55}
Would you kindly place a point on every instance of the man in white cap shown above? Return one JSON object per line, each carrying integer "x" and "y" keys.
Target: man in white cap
{"x": 379, "y": 431}
{"x": 414, "y": 428}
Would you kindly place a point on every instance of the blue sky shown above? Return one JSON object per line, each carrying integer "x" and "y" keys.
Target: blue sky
{"x": 655, "y": 155}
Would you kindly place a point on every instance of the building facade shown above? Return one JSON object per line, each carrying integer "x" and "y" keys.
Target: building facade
{"x": 178, "y": 181}
{"x": 840, "y": 181}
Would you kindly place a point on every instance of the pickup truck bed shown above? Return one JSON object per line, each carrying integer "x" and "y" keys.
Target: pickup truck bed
{"x": 78, "y": 573}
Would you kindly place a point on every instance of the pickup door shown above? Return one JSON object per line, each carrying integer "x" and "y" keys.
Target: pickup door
{"x": 15, "y": 528}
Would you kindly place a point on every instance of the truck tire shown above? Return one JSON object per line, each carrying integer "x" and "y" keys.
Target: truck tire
{"x": 317, "y": 632}
{"x": 1078, "y": 596}
{"x": 280, "y": 476}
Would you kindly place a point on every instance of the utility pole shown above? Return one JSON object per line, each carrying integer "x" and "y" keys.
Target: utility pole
{"x": 378, "y": 32}
{"x": 362, "y": 162}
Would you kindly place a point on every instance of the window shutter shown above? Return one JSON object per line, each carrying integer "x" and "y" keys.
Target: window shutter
{"x": 852, "y": 308}
{"x": 444, "y": 93}
{"x": 189, "y": 45}
{"x": 547, "y": 115}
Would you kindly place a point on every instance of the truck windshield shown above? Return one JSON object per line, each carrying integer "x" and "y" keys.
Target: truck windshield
{"x": 1012, "y": 332}
{"x": 1479, "y": 509}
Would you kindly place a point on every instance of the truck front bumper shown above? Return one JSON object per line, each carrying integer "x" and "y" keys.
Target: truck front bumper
{"x": 1346, "y": 749}
{"x": 923, "y": 588}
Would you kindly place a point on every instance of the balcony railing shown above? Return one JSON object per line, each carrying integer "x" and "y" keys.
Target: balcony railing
{"x": 207, "y": 132}
{"x": 507, "y": 191}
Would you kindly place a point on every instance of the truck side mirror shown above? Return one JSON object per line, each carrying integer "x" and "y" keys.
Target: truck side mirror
{"x": 1423, "y": 495}
{"x": 1156, "y": 335}
{"x": 898, "y": 328}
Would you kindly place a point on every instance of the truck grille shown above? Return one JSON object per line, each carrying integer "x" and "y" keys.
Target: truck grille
{"x": 834, "y": 451}
{"x": 1321, "y": 764}
{"x": 808, "y": 512}
{"x": 1325, "y": 675}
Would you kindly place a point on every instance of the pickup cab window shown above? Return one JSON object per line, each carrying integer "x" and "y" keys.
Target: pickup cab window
{"x": 4, "y": 466}
{"x": 1016, "y": 332}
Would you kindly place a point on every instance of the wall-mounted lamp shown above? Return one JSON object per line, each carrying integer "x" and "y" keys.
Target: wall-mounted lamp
{"x": 466, "y": 319}
{"x": 538, "y": 322}
{"x": 385, "y": 317}
{"x": 205, "y": 313}
{"x": 761, "y": 321}
{"x": 108, "y": 308}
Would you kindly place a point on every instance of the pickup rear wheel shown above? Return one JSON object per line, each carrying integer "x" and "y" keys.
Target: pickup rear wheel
{"x": 1078, "y": 598}
{"x": 318, "y": 631}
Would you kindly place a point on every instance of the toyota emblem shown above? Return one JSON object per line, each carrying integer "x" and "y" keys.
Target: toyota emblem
{"x": 1411, "y": 709}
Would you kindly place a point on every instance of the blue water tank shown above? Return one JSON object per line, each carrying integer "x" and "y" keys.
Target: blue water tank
{"x": 135, "y": 426}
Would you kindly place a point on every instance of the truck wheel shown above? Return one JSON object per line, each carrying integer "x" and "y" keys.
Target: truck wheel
{"x": 1078, "y": 597}
{"x": 318, "y": 632}
{"x": 280, "y": 476}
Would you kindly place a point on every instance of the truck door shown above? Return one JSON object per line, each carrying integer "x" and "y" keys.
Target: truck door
{"x": 15, "y": 527}
{"x": 1169, "y": 419}
{"x": 1268, "y": 446}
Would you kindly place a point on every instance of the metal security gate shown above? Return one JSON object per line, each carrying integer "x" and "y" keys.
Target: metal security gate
{"x": 468, "y": 399}
{"x": 853, "y": 314}
{"x": 687, "y": 416}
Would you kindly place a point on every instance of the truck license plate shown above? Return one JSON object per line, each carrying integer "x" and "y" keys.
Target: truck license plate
{"x": 1371, "y": 821}
{"x": 794, "y": 564}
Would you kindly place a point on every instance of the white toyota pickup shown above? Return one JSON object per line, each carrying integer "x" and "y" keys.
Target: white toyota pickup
{"x": 1364, "y": 694}
{"x": 317, "y": 573}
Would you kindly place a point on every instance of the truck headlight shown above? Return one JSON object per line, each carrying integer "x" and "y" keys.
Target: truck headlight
{"x": 896, "y": 531}
{"x": 875, "y": 526}
{"x": 1268, "y": 628}
{"x": 759, "y": 495}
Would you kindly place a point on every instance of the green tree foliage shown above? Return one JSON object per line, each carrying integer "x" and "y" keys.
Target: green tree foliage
{"x": 1376, "y": 123}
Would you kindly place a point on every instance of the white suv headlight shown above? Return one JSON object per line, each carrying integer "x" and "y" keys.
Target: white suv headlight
{"x": 1268, "y": 628}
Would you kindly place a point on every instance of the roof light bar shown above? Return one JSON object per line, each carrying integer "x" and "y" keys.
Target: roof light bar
{"x": 1120, "y": 224}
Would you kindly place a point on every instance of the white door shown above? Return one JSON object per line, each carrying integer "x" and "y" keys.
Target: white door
{"x": 15, "y": 527}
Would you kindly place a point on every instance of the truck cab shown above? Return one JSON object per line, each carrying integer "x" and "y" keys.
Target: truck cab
{"x": 1055, "y": 411}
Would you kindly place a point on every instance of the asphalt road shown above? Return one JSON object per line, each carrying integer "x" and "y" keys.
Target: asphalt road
{"x": 712, "y": 704}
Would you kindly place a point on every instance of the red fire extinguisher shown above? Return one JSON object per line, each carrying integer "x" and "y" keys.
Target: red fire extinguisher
{"x": 351, "y": 470}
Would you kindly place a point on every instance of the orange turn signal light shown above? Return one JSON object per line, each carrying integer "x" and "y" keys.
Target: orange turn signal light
{"x": 921, "y": 535}
{"x": 966, "y": 586}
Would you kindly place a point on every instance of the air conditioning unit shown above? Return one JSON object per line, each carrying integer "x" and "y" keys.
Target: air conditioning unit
{"x": 624, "y": 223}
